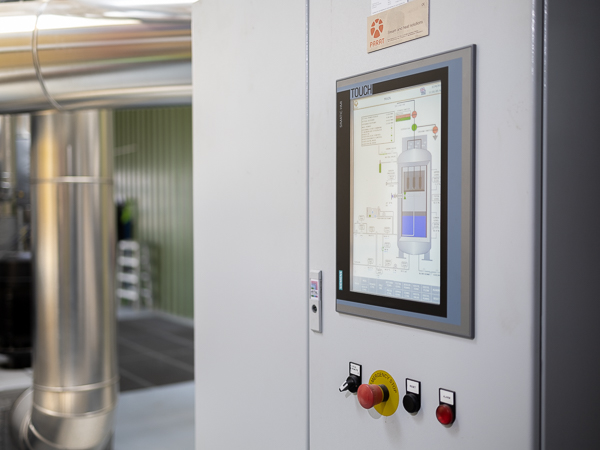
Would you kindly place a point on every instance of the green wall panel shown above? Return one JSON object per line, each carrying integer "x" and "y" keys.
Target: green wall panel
{"x": 153, "y": 169}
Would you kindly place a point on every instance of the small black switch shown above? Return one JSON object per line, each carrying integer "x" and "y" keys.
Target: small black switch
{"x": 354, "y": 380}
{"x": 351, "y": 384}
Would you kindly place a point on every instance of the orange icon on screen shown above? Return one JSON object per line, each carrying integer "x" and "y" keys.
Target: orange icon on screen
{"x": 376, "y": 28}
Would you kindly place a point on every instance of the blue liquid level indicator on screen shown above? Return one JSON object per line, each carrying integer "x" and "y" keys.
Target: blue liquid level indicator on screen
{"x": 414, "y": 226}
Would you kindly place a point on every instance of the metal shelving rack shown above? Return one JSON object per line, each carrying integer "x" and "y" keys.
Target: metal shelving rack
{"x": 134, "y": 274}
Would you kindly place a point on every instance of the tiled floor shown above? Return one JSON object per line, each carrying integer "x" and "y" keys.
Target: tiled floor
{"x": 157, "y": 418}
{"x": 154, "y": 351}
{"x": 156, "y": 364}
{"x": 7, "y": 398}
{"x": 12, "y": 383}
{"x": 14, "y": 378}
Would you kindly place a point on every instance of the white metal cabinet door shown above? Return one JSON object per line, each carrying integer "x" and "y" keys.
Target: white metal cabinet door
{"x": 250, "y": 224}
{"x": 497, "y": 371}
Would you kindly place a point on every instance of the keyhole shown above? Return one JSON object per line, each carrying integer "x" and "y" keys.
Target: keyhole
{"x": 314, "y": 308}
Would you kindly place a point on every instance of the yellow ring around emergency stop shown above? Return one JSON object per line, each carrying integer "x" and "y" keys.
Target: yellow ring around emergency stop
{"x": 390, "y": 406}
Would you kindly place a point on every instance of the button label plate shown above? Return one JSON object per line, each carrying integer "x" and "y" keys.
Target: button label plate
{"x": 413, "y": 386}
{"x": 447, "y": 397}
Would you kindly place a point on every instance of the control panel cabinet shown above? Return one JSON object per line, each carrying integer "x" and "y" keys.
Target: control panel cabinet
{"x": 423, "y": 176}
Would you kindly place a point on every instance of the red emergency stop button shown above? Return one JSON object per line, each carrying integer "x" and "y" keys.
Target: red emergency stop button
{"x": 445, "y": 414}
{"x": 370, "y": 395}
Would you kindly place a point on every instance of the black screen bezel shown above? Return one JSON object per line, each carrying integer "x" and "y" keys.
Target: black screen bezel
{"x": 343, "y": 197}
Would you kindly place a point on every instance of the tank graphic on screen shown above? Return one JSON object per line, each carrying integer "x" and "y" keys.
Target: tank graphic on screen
{"x": 414, "y": 196}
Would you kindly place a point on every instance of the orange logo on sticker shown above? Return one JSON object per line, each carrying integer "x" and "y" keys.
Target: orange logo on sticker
{"x": 376, "y": 28}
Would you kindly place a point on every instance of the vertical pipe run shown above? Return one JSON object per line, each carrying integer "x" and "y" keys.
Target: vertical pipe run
{"x": 73, "y": 55}
{"x": 15, "y": 144}
{"x": 8, "y": 223}
{"x": 75, "y": 381}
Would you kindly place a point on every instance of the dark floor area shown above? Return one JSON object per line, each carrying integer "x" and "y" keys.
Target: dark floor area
{"x": 7, "y": 398}
{"x": 154, "y": 351}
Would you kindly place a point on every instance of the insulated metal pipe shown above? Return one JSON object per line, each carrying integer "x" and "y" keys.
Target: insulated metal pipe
{"x": 71, "y": 55}
{"x": 15, "y": 141}
{"x": 8, "y": 175}
{"x": 8, "y": 160}
{"x": 75, "y": 378}
{"x": 68, "y": 54}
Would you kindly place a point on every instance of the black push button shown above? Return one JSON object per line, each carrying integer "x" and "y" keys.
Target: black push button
{"x": 411, "y": 403}
{"x": 412, "y": 399}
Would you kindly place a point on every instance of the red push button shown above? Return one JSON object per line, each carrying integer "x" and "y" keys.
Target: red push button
{"x": 444, "y": 414}
{"x": 370, "y": 395}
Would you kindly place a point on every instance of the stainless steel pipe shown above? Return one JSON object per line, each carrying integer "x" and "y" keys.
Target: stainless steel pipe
{"x": 75, "y": 378}
{"x": 72, "y": 55}
{"x": 68, "y": 54}
{"x": 15, "y": 140}
{"x": 8, "y": 159}
{"x": 8, "y": 178}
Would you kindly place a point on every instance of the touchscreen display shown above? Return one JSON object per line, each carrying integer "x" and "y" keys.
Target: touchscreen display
{"x": 405, "y": 193}
{"x": 396, "y": 193}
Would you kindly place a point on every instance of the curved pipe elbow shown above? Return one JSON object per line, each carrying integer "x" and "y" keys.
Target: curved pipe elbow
{"x": 39, "y": 429}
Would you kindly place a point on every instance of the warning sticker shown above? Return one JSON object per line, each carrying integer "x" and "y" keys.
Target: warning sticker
{"x": 398, "y": 25}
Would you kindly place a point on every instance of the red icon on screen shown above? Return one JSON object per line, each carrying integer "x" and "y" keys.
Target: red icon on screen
{"x": 376, "y": 28}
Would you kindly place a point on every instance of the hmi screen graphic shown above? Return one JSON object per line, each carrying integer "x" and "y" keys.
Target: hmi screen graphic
{"x": 396, "y": 193}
